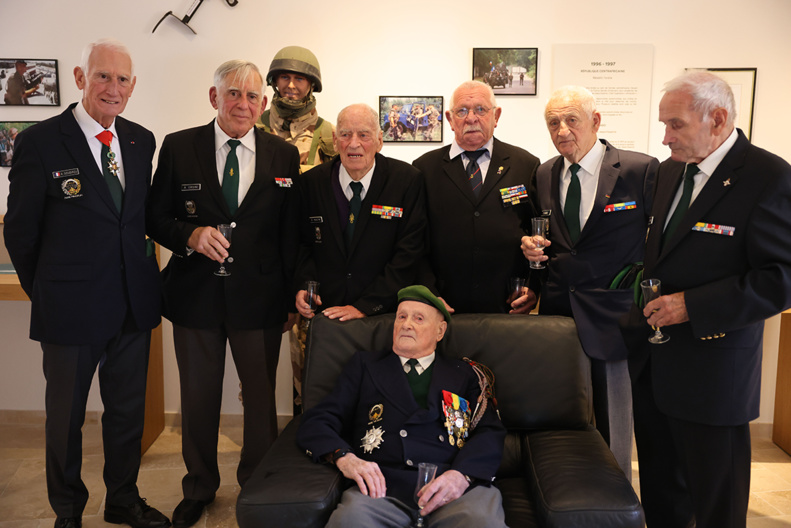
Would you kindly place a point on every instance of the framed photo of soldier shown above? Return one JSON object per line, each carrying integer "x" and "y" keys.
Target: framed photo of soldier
{"x": 8, "y": 132}
{"x": 29, "y": 82}
{"x": 509, "y": 71}
{"x": 405, "y": 119}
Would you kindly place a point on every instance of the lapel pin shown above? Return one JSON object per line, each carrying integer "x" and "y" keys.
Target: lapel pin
{"x": 726, "y": 182}
{"x": 500, "y": 170}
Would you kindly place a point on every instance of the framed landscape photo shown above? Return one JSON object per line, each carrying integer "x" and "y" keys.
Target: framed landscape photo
{"x": 509, "y": 71}
{"x": 406, "y": 119}
{"x": 8, "y": 132}
{"x": 29, "y": 82}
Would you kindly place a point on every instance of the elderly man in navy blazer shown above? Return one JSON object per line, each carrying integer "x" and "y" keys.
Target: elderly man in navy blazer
{"x": 597, "y": 199}
{"x": 720, "y": 243}
{"x": 392, "y": 409}
{"x": 226, "y": 172}
{"x": 75, "y": 231}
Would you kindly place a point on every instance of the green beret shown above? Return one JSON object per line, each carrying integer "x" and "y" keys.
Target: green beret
{"x": 422, "y": 294}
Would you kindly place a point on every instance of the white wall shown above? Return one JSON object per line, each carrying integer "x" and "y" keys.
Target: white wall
{"x": 383, "y": 48}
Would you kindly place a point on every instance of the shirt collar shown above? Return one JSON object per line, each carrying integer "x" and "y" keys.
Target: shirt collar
{"x": 591, "y": 162}
{"x": 346, "y": 180}
{"x": 221, "y": 138}
{"x": 456, "y": 150}
{"x": 713, "y": 160}
{"x": 89, "y": 126}
{"x": 425, "y": 361}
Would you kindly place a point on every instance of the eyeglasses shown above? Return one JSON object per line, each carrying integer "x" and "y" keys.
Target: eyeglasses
{"x": 479, "y": 110}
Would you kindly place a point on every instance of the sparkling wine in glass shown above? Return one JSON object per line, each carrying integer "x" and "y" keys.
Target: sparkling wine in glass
{"x": 425, "y": 474}
{"x": 652, "y": 289}
{"x": 225, "y": 230}
{"x": 540, "y": 229}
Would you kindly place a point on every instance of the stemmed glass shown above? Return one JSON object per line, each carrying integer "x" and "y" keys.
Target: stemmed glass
{"x": 652, "y": 289}
{"x": 540, "y": 229}
{"x": 425, "y": 474}
{"x": 515, "y": 285}
{"x": 225, "y": 230}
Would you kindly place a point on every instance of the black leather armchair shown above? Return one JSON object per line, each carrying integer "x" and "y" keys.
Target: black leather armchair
{"x": 556, "y": 471}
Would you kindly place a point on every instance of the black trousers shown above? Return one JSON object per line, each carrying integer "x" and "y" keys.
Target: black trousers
{"x": 691, "y": 474}
{"x": 200, "y": 354}
{"x": 69, "y": 370}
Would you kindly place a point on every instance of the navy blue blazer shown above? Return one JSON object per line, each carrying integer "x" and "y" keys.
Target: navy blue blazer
{"x": 578, "y": 275}
{"x": 386, "y": 249}
{"x": 186, "y": 194}
{"x": 411, "y": 434}
{"x": 733, "y": 279}
{"x": 81, "y": 262}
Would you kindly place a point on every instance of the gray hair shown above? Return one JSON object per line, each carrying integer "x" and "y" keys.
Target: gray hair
{"x": 240, "y": 70}
{"x": 110, "y": 43}
{"x": 578, "y": 94}
{"x": 708, "y": 92}
{"x": 370, "y": 115}
{"x": 473, "y": 85}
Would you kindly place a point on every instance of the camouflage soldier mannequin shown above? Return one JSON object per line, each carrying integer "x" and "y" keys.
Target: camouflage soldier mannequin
{"x": 294, "y": 75}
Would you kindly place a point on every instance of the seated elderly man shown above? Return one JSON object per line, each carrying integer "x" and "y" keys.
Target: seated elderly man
{"x": 392, "y": 410}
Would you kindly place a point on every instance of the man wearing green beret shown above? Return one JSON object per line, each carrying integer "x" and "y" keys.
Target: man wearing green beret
{"x": 394, "y": 409}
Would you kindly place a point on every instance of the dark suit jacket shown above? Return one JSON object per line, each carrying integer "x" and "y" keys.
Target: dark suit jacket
{"x": 578, "y": 276}
{"x": 385, "y": 251}
{"x": 410, "y": 434}
{"x": 80, "y": 262}
{"x": 186, "y": 194}
{"x": 474, "y": 242}
{"x": 731, "y": 284}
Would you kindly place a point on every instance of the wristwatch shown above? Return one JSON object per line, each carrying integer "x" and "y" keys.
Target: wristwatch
{"x": 339, "y": 453}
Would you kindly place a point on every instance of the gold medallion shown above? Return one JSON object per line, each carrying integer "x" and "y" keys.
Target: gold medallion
{"x": 372, "y": 439}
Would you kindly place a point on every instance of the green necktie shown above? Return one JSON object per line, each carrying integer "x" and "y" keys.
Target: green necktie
{"x": 354, "y": 210}
{"x": 230, "y": 177}
{"x": 110, "y": 169}
{"x": 419, "y": 383}
{"x": 571, "y": 209}
{"x": 683, "y": 203}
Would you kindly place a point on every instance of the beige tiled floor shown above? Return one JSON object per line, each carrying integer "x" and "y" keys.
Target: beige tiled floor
{"x": 23, "y": 496}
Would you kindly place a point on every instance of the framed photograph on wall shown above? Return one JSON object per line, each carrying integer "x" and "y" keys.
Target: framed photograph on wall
{"x": 509, "y": 71}
{"x": 406, "y": 119}
{"x": 29, "y": 82}
{"x": 8, "y": 132}
{"x": 742, "y": 82}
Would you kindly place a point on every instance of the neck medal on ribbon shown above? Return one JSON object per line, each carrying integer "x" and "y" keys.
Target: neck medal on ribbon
{"x": 457, "y": 418}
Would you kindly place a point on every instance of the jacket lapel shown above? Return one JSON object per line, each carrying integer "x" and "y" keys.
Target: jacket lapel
{"x": 328, "y": 204}
{"x": 264, "y": 159}
{"x": 608, "y": 177}
{"x": 207, "y": 161}
{"x": 135, "y": 176}
{"x": 388, "y": 375}
{"x": 378, "y": 180}
{"x": 498, "y": 168}
{"x": 557, "y": 206}
{"x": 454, "y": 170}
{"x": 77, "y": 145}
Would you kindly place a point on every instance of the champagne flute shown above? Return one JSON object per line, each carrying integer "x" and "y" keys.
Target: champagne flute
{"x": 652, "y": 289}
{"x": 540, "y": 229}
{"x": 515, "y": 285}
{"x": 425, "y": 474}
{"x": 225, "y": 230}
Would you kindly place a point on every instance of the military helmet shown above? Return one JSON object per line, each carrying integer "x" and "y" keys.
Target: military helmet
{"x": 298, "y": 60}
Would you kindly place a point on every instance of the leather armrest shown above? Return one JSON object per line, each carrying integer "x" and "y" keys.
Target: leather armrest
{"x": 577, "y": 482}
{"x": 288, "y": 488}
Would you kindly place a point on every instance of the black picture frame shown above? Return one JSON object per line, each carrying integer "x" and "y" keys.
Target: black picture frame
{"x": 509, "y": 71}
{"x": 407, "y": 119}
{"x": 8, "y": 132}
{"x": 41, "y": 79}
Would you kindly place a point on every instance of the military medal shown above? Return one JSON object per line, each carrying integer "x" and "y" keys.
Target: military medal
{"x": 372, "y": 439}
{"x": 513, "y": 195}
{"x": 189, "y": 205}
{"x": 375, "y": 414}
{"x": 112, "y": 165}
{"x": 351, "y": 218}
{"x": 623, "y": 206}
{"x": 71, "y": 187}
{"x": 457, "y": 418}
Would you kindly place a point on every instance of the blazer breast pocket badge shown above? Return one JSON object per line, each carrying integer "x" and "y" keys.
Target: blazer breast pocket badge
{"x": 457, "y": 418}
{"x": 717, "y": 229}
{"x": 623, "y": 206}
{"x": 513, "y": 195}
{"x": 385, "y": 212}
{"x": 284, "y": 182}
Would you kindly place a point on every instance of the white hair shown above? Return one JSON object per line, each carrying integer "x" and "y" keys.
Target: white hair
{"x": 577, "y": 94}
{"x": 110, "y": 43}
{"x": 708, "y": 92}
{"x": 474, "y": 85}
{"x": 241, "y": 71}
{"x": 370, "y": 115}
